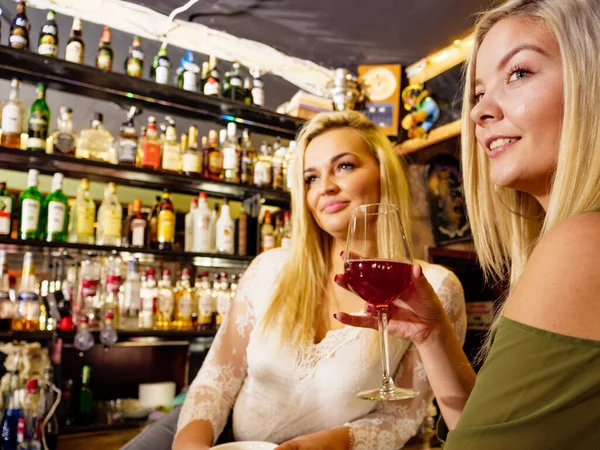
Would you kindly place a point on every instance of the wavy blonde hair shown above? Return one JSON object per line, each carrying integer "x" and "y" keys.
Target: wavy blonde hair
{"x": 298, "y": 298}
{"x": 504, "y": 245}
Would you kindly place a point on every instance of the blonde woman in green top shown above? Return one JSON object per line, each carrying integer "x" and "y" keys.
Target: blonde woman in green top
{"x": 531, "y": 159}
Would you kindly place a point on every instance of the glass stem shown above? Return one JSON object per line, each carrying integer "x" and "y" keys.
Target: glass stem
{"x": 387, "y": 384}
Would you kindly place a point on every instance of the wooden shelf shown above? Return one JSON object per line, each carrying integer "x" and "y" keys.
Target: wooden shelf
{"x": 436, "y": 135}
{"x": 127, "y": 91}
{"x": 124, "y": 335}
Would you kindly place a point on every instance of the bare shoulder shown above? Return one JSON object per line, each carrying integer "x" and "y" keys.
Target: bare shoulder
{"x": 559, "y": 290}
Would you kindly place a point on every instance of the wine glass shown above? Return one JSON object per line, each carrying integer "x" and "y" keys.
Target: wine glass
{"x": 377, "y": 268}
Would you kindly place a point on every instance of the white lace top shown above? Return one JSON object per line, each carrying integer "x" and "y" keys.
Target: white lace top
{"x": 277, "y": 395}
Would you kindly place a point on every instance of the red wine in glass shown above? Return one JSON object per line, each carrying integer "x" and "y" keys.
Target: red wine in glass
{"x": 377, "y": 281}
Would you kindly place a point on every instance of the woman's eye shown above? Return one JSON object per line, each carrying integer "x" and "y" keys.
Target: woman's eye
{"x": 345, "y": 166}
{"x": 310, "y": 179}
{"x": 517, "y": 74}
{"x": 477, "y": 97}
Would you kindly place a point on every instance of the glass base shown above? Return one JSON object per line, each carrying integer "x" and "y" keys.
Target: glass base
{"x": 381, "y": 395}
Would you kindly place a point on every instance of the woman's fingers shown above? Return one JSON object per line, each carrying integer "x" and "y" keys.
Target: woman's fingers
{"x": 356, "y": 321}
{"x": 340, "y": 281}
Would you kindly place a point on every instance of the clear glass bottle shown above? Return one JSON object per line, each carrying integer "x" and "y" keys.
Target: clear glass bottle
{"x": 290, "y": 159}
{"x": 55, "y": 212}
{"x": 188, "y": 245}
{"x": 225, "y": 231}
{"x": 63, "y": 140}
{"x": 171, "y": 150}
{"x": 277, "y": 164}
{"x": 109, "y": 218}
{"x": 184, "y": 299}
{"x": 166, "y": 302}
{"x": 13, "y": 117}
{"x": 88, "y": 295}
{"x": 262, "y": 168}
{"x": 108, "y": 335}
{"x": 223, "y": 300}
{"x": 84, "y": 340}
{"x": 96, "y": 143}
{"x": 112, "y": 300}
{"x": 201, "y": 221}
{"x": 82, "y": 216}
{"x": 206, "y": 304}
{"x": 267, "y": 234}
{"x": 27, "y": 313}
{"x": 149, "y": 296}
{"x": 135, "y": 227}
{"x": 286, "y": 239}
{"x": 231, "y": 155}
{"x": 131, "y": 288}
{"x": 192, "y": 160}
{"x": 30, "y": 206}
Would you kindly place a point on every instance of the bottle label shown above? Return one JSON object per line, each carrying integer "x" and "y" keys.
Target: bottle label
{"x": 162, "y": 75}
{"x": 138, "y": 232}
{"x": 64, "y": 143}
{"x": 212, "y": 87}
{"x": 151, "y": 154}
{"x": 277, "y": 176}
{"x": 127, "y": 150}
{"x": 56, "y": 217}
{"x": 235, "y": 82}
{"x": 190, "y": 81}
{"x": 202, "y": 235}
{"x": 7, "y": 310}
{"x": 171, "y": 157}
{"x": 29, "y": 306}
{"x": 12, "y": 119}
{"x": 104, "y": 60}
{"x": 166, "y": 304}
{"x": 30, "y": 215}
{"x": 134, "y": 67}
{"x": 185, "y": 306}
{"x": 231, "y": 158}
{"x": 89, "y": 288}
{"x": 48, "y": 49}
{"x": 206, "y": 307}
{"x": 215, "y": 163}
{"x": 85, "y": 221}
{"x": 113, "y": 283}
{"x": 166, "y": 226}
{"x": 262, "y": 174}
{"x": 18, "y": 40}
{"x": 74, "y": 52}
{"x": 268, "y": 242}
{"x": 258, "y": 96}
{"x": 225, "y": 238}
{"x": 191, "y": 163}
{"x": 34, "y": 142}
{"x": 6, "y": 205}
{"x": 112, "y": 224}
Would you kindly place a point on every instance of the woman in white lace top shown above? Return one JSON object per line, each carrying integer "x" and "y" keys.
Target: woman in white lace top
{"x": 280, "y": 362}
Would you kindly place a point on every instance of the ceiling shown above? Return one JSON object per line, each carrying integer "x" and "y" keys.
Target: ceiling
{"x": 338, "y": 33}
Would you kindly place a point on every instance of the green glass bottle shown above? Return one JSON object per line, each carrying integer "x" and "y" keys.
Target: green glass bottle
{"x": 85, "y": 397}
{"x": 39, "y": 120}
{"x": 55, "y": 210}
{"x": 161, "y": 67}
{"x": 30, "y": 205}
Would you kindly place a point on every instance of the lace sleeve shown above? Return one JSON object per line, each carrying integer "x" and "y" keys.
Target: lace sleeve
{"x": 213, "y": 391}
{"x": 392, "y": 424}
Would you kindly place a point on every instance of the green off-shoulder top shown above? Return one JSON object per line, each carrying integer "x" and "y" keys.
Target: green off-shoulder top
{"x": 537, "y": 390}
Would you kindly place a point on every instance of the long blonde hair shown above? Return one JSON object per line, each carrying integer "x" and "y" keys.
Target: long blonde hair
{"x": 506, "y": 223}
{"x": 298, "y": 298}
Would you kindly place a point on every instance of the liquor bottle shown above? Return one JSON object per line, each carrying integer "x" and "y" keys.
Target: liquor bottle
{"x": 231, "y": 155}
{"x": 166, "y": 302}
{"x": 232, "y": 88}
{"x": 212, "y": 86}
{"x": 108, "y": 335}
{"x": 248, "y": 158}
{"x": 214, "y": 167}
{"x": 65, "y": 307}
{"x": 128, "y": 140}
{"x": 96, "y": 143}
{"x": 206, "y": 304}
{"x": 109, "y": 218}
{"x": 189, "y": 226}
{"x": 258, "y": 93}
{"x": 131, "y": 289}
{"x": 201, "y": 221}
{"x": 149, "y": 296}
{"x": 13, "y": 115}
{"x": 148, "y": 155}
{"x": 161, "y": 67}
{"x": 48, "y": 41}
{"x": 184, "y": 300}
{"x": 290, "y": 159}
{"x": 278, "y": 233}
{"x": 192, "y": 160}
{"x": 39, "y": 121}
{"x": 225, "y": 231}
{"x": 277, "y": 164}
{"x": 30, "y": 205}
{"x": 19, "y": 29}
{"x": 55, "y": 211}
{"x": 27, "y": 311}
{"x": 6, "y": 210}
{"x": 262, "y": 168}
{"x": 86, "y": 397}
{"x": 112, "y": 296}
{"x": 7, "y": 306}
{"x": 134, "y": 64}
{"x": 136, "y": 227}
{"x": 88, "y": 294}
{"x": 104, "y": 56}
{"x": 165, "y": 234}
{"x": 223, "y": 300}
{"x": 12, "y": 414}
{"x": 63, "y": 140}
{"x": 31, "y": 412}
{"x": 212, "y": 228}
{"x": 267, "y": 234}
{"x": 248, "y": 91}
{"x": 286, "y": 239}
{"x": 171, "y": 151}
{"x": 204, "y": 76}
{"x": 151, "y": 239}
{"x": 188, "y": 73}
{"x": 82, "y": 216}
{"x": 75, "y": 51}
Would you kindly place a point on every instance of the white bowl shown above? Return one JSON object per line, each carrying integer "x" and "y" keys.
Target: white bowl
{"x": 249, "y": 445}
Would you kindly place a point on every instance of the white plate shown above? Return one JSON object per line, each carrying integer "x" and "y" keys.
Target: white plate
{"x": 246, "y": 446}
